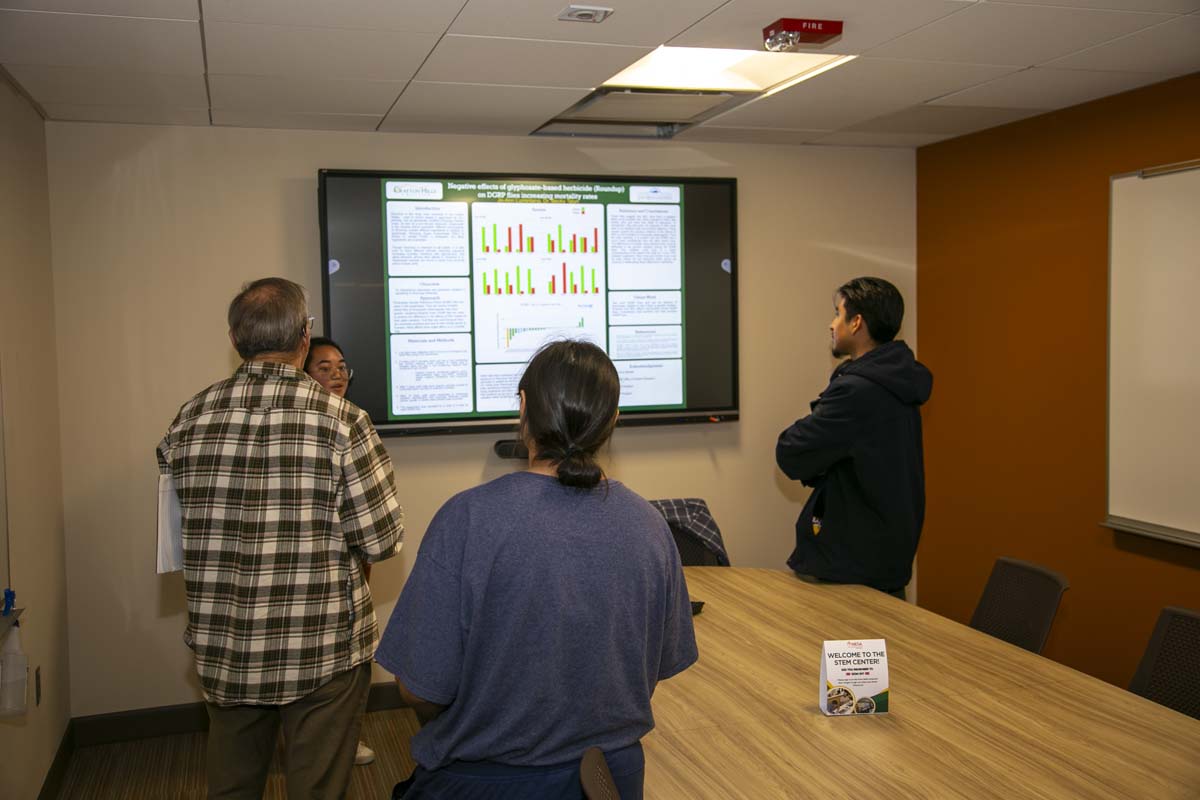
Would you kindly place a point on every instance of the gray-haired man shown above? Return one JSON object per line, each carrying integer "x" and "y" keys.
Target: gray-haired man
{"x": 285, "y": 491}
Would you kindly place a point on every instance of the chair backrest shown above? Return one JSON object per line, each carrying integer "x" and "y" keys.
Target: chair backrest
{"x": 1169, "y": 672}
{"x": 696, "y": 534}
{"x": 595, "y": 777}
{"x": 1019, "y": 603}
{"x": 692, "y": 552}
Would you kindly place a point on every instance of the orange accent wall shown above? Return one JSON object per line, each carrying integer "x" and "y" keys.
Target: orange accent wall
{"x": 1012, "y": 288}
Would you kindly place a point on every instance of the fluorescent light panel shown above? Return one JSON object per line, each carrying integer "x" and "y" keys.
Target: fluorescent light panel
{"x": 710, "y": 69}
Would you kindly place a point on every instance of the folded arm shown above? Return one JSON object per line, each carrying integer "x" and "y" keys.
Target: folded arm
{"x": 810, "y": 446}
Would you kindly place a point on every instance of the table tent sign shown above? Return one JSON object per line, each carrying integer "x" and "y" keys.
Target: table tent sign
{"x": 854, "y": 677}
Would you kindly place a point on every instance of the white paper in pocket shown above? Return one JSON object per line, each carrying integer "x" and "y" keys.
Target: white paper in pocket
{"x": 170, "y": 527}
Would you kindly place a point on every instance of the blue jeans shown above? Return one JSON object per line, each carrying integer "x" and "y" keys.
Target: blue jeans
{"x": 485, "y": 780}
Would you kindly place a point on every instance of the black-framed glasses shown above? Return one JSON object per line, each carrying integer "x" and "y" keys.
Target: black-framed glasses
{"x": 330, "y": 371}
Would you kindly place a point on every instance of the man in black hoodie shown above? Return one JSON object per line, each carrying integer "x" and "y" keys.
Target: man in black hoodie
{"x": 860, "y": 449}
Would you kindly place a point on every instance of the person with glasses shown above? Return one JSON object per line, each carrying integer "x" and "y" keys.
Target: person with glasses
{"x": 326, "y": 365}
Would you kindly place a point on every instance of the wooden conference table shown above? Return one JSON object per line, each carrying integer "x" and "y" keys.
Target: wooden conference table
{"x": 971, "y": 716}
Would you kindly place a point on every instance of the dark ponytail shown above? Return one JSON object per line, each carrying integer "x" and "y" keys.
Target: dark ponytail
{"x": 571, "y": 394}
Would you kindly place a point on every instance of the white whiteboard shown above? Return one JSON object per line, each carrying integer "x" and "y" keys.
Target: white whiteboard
{"x": 1154, "y": 354}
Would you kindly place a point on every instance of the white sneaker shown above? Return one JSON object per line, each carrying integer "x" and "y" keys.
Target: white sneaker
{"x": 363, "y": 755}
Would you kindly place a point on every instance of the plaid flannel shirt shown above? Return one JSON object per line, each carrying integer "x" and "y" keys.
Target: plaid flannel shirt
{"x": 285, "y": 490}
{"x": 692, "y": 514}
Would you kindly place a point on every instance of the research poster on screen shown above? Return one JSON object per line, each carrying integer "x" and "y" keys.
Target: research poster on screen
{"x": 482, "y": 273}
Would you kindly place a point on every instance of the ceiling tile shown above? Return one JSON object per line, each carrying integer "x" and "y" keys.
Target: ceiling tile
{"x": 1040, "y": 87}
{"x": 955, "y": 120}
{"x": 526, "y": 62}
{"x": 860, "y": 90}
{"x": 1017, "y": 35}
{"x": 302, "y": 95}
{"x": 81, "y": 40}
{"x": 152, "y": 115}
{"x": 708, "y": 133}
{"x": 416, "y": 16}
{"x": 859, "y": 139}
{"x": 82, "y": 86}
{"x": 315, "y": 122}
{"x": 739, "y": 23}
{"x": 240, "y": 49}
{"x": 647, "y": 23}
{"x": 1172, "y": 48}
{"x": 153, "y": 9}
{"x": 1166, "y": 6}
{"x": 469, "y": 107}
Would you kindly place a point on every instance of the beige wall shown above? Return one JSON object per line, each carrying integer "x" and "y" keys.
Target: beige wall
{"x": 155, "y": 228}
{"x": 31, "y": 439}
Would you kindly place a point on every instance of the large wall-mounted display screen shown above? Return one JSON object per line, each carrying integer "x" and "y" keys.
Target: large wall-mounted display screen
{"x": 440, "y": 287}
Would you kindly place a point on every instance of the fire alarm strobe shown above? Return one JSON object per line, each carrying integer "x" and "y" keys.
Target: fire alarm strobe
{"x": 788, "y": 33}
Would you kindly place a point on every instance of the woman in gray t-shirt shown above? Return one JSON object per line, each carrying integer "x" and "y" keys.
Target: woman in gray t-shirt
{"x": 542, "y": 609}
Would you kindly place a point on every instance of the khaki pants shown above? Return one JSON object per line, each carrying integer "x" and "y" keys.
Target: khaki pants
{"x": 320, "y": 733}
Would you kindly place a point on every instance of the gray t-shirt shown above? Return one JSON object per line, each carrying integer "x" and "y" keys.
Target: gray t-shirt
{"x": 542, "y": 616}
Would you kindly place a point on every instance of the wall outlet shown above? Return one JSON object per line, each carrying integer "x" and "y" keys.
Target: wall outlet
{"x": 37, "y": 686}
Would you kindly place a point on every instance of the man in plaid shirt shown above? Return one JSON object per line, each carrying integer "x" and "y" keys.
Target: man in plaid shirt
{"x": 285, "y": 491}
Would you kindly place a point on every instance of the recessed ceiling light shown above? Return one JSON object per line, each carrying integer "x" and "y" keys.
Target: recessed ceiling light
{"x": 709, "y": 69}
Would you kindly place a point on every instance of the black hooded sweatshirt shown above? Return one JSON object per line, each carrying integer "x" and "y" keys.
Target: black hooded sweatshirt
{"x": 860, "y": 450}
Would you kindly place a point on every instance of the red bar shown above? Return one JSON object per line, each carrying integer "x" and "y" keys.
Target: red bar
{"x": 520, "y": 238}
{"x": 510, "y": 288}
{"x": 532, "y": 290}
{"x": 552, "y": 277}
{"x": 487, "y": 290}
{"x": 595, "y": 240}
{"x": 551, "y": 245}
{"x": 485, "y": 248}
{"x": 565, "y": 277}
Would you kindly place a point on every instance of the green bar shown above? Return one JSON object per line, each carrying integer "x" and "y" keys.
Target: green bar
{"x": 560, "y": 238}
{"x": 582, "y": 284}
{"x": 496, "y": 280}
{"x": 550, "y": 287}
{"x": 518, "y": 279}
{"x": 593, "y": 280}
{"x": 529, "y": 279}
{"x": 483, "y": 237}
{"x": 495, "y": 246}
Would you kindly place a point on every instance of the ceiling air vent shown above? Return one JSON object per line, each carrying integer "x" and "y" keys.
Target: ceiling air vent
{"x": 575, "y": 13}
{"x": 639, "y": 113}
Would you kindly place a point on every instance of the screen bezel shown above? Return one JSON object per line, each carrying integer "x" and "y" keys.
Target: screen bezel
{"x": 505, "y": 425}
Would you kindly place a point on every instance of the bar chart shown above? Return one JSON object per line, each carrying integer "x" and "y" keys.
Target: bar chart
{"x": 528, "y": 228}
{"x": 497, "y": 281}
{"x": 526, "y": 337}
{"x": 586, "y": 283}
{"x": 524, "y": 244}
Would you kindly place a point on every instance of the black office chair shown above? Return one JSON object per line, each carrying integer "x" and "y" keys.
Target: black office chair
{"x": 1019, "y": 603}
{"x": 595, "y": 777}
{"x": 1169, "y": 672}
{"x": 695, "y": 531}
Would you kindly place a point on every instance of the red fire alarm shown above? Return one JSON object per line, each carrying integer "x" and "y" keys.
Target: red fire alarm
{"x": 787, "y": 33}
